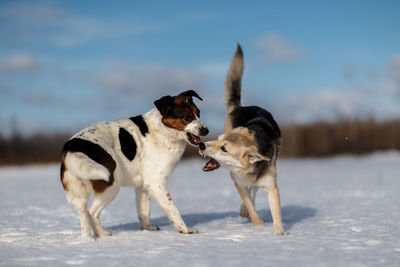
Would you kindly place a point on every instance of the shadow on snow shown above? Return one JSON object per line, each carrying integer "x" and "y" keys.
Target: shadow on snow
{"x": 291, "y": 215}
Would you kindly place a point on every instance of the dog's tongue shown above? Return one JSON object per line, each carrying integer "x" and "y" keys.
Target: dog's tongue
{"x": 193, "y": 139}
{"x": 210, "y": 165}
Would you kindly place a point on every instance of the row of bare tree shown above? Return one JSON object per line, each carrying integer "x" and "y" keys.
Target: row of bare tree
{"x": 40, "y": 148}
{"x": 344, "y": 137}
{"x": 311, "y": 140}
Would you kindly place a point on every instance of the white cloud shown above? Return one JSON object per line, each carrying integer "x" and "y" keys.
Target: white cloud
{"x": 373, "y": 98}
{"x": 325, "y": 104}
{"x": 75, "y": 30}
{"x": 19, "y": 63}
{"x": 148, "y": 79}
{"x": 352, "y": 73}
{"x": 129, "y": 87}
{"x": 44, "y": 22}
{"x": 278, "y": 49}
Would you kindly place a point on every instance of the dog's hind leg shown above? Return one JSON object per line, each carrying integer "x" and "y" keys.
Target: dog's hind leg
{"x": 78, "y": 196}
{"x": 99, "y": 202}
{"x": 80, "y": 204}
{"x": 252, "y": 192}
{"x": 275, "y": 206}
{"x": 144, "y": 207}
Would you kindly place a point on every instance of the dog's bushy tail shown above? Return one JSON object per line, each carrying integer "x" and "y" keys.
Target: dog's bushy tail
{"x": 85, "y": 168}
{"x": 233, "y": 81}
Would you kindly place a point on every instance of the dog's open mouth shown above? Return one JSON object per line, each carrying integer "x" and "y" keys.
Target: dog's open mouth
{"x": 193, "y": 139}
{"x": 210, "y": 165}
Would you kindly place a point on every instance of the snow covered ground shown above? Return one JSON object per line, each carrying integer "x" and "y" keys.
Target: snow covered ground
{"x": 341, "y": 211}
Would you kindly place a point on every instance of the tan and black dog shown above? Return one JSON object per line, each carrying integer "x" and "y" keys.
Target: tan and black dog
{"x": 248, "y": 148}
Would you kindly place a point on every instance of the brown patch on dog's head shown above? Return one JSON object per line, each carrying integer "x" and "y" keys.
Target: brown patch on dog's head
{"x": 178, "y": 111}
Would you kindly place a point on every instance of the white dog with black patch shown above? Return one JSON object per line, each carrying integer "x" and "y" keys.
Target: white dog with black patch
{"x": 140, "y": 152}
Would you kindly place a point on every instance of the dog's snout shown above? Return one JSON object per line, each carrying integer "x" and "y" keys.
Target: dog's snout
{"x": 204, "y": 131}
{"x": 202, "y": 146}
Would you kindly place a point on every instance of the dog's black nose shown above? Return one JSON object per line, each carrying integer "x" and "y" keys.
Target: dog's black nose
{"x": 204, "y": 131}
{"x": 202, "y": 146}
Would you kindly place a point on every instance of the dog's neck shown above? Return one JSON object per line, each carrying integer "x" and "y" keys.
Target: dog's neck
{"x": 250, "y": 173}
{"x": 154, "y": 122}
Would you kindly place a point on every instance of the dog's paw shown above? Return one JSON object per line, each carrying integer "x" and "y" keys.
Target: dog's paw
{"x": 279, "y": 230}
{"x": 87, "y": 236}
{"x": 189, "y": 231}
{"x": 243, "y": 211}
{"x": 103, "y": 233}
{"x": 282, "y": 233}
{"x": 150, "y": 228}
{"x": 258, "y": 224}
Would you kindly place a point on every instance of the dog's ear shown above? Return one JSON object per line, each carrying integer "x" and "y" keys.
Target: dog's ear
{"x": 189, "y": 94}
{"x": 252, "y": 156}
{"x": 164, "y": 105}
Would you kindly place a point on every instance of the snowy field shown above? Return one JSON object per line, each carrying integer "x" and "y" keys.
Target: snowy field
{"x": 341, "y": 211}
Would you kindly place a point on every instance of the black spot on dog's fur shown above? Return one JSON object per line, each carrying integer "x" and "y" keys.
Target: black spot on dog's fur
{"x": 96, "y": 153}
{"x": 128, "y": 144}
{"x": 139, "y": 121}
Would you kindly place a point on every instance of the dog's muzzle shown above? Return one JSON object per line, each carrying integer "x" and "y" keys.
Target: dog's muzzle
{"x": 194, "y": 139}
{"x": 204, "y": 131}
{"x": 202, "y": 146}
{"x": 212, "y": 164}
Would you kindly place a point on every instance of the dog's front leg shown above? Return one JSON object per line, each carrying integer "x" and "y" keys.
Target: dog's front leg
{"x": 252, "y": 192}
{"x": 160, "y": 193}
{"x": 144, "y": 207}
{"x": 275, "y": 206}
{"x": 255, "y": 219}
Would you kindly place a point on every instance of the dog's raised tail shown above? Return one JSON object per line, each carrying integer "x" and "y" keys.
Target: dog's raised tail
{"x": 233, "y": 81}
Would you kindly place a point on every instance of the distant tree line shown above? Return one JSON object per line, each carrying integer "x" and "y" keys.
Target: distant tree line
{"x": 343, "y": 137}
{"x": 309, "y": 140}
{"x": 39, "y": 148}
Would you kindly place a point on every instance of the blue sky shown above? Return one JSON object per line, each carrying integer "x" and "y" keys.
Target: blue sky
{"x": 67, "y": 64}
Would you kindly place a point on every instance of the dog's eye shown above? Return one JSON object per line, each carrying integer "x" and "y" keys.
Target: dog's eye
{"x": 188, "y": 118}
{"x": 223, "y": 148}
